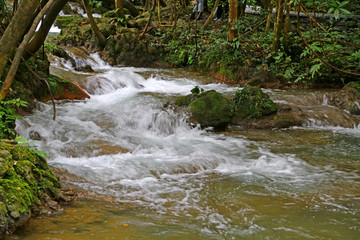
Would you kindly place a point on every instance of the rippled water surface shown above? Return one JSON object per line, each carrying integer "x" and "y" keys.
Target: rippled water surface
{"x": 170, "y": 181}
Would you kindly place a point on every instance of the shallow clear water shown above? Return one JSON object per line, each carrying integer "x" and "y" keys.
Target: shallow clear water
{"x": 170, "y": 181}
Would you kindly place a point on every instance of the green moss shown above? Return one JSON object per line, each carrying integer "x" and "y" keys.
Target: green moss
{"x": 25, "y": 178}
{"x": 184, "y": 101}
{"x": 69, "y": 21}
{"x": 252, "y": 103}
{"x": 211, "y": 109}
{"x": 110, "y": 14}
{"x": 354, "y": 85}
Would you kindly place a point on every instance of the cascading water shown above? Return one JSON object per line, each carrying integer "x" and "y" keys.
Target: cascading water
{"x": 179, "y": 182}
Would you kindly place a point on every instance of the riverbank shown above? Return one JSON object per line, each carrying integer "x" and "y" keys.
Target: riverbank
{"x": 27, "y": 186}
{"x": 248, "y": 60}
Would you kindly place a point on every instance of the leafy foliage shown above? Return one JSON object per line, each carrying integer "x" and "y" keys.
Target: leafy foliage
{"x": 27, "y": 143}
{"x": 95, "y": 3}
{"x": 210, "y": 50}
{"x": 8, "y": 116}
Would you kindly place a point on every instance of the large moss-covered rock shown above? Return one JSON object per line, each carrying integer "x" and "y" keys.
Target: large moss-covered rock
{"x": 252, "y": 103}
{"x": 25, "y": 181}
{"x": 348, "y": 98}
{"x": 211, "y": 109}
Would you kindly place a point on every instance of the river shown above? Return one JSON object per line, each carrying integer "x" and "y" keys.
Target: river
{"x": 159, "y": 178}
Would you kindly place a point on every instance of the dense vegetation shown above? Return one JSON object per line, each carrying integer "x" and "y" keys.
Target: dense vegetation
{"x": 311, "y": 49}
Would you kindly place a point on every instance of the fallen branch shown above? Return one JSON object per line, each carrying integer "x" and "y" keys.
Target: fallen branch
{"x": 254, "y": 28}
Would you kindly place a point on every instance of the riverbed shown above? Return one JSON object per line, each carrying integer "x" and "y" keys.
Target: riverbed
{"x": 161, "y": 178}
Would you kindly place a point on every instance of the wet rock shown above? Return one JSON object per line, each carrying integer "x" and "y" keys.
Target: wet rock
{"x": 86, "y": 68}
{"x": 35, "y": 136}
{"x": 184, "y": 101}
{"x": 64, "y": 175}
{"x": 61, "y": 53}
{"x": 252, "y": 103}
{"x": 93, "y": 149}
{"x": 265, "y": 79}
{"x": 286, "y": 116}
{"x": 348, "y": 98}
{"x": 66, "y": 195}
{"x": 26, "y": 181}
{"x": 62, "y": 90}
{"x": 211, "y": 109}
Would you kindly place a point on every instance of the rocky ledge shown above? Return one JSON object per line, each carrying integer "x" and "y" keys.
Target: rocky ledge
{"x": 252, "y": 108}
{"x": 27, "y": 186}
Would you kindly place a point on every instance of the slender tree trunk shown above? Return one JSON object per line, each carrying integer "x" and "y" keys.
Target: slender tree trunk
{"x": 242, "y": 7}
{"x": 94, "y": 26}
{"x": 132, "y": 9}
{"x": 278, "y": 25}
{"x": 232, "y": 19}
{"x": 287, "y": 19}
{"x": 211, "y": 15}
{"x": 268, "y": 22}
{"x": 15, "y": 5}
{"x": 119, "y": 6}
{"x": 20, "y": 50}
{"x": 16, "y": 30}
{"x": 40, "y": 36}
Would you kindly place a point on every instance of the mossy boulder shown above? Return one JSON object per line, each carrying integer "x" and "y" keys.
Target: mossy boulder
{"x": 252, "y": 103}
{"x": 184, "y": 101}
{"x": 348, "y": 98}
{"x": 61, "y": 53}
{"x": 210, "y": 109}
{"x": 25, "y": 181}
{"x": 69, "y": 21}
{"x": 355, "y": 86}
{"x": 110, "y": 14}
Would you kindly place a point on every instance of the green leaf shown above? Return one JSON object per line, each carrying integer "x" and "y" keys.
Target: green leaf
{"x": 314, "y": 69}
{"x": 346, "y": 11}
{"x": 343, "y": 4}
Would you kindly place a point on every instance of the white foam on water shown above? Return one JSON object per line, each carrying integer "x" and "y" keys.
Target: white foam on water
{"x": 169, "y": 164}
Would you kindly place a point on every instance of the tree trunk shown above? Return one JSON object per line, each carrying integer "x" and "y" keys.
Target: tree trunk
{"x": 16, "y": 30}
{"x": 119, "y": 6}
{"x": 211, "y": 15}
{"x": 268, "y": 22}
{"x": 232, "y": 19}
{"x": 94, "y": 26}
{"x": 40, "y": 36}
{"x": 19, "y": 52}
{"x": 132, "y": 9}
{"x": 242, "y": 7}
{"x": 278, "y": 25}
{"x": 15, "y": 5}
{"x": 287, "y": 19}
